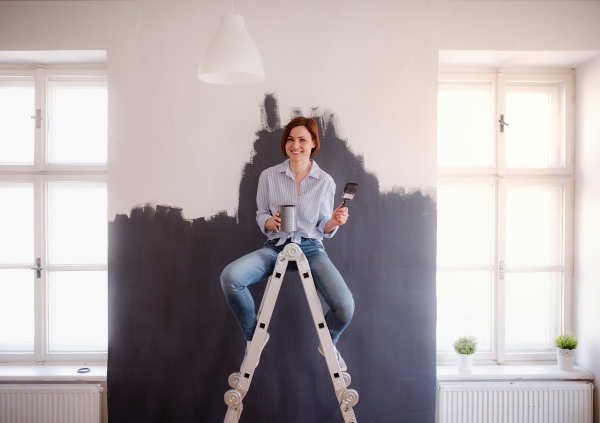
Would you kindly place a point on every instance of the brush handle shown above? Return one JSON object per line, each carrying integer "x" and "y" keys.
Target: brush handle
{"x": 344, "y": 203}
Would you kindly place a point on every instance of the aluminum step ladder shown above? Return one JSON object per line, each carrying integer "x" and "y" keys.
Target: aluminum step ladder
{"x": 240, "y": 382}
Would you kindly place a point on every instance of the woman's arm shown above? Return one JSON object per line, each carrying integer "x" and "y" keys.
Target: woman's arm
{"x": 266, "y": 222}
{"x": 330, "y": 219}
{"x": 273, "y": 223}
{"x": 338, "y": 218}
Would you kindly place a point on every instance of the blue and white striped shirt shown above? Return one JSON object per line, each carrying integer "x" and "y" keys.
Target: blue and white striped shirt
{"x": 314, "y": 205}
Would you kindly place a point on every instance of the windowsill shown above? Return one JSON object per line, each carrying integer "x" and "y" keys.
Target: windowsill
{"x": 489, "y": 372}
{"x": 445, "y": 373}
{"x": 54, "y": 373}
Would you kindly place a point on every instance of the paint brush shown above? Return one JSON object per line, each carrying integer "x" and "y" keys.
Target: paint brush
{"x": 349, "y": 191}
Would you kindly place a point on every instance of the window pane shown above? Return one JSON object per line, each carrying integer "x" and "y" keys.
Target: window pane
{"x": 78, "y": 304}
{"x": 16, "y": 310}
{"x": 465, "y": 130}
{"x": 17, "y": 129}
{"x": 534, "y": 226}
{"x": 532, "y": 138}
{"x": 78, "y": 126}
{"x": 465, "y": 224}
{"x": 532, "y": 309}
{"x": 77, "y": 223}
{"x": 16, "y": 223}
{"x": 464, "y": 307}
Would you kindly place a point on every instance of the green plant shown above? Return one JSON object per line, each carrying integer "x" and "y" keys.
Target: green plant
{"x": 465, "y": 345}
{"x": 566, "y": 341}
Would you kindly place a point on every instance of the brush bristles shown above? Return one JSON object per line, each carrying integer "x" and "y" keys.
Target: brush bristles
{"x": 349, "y": 191}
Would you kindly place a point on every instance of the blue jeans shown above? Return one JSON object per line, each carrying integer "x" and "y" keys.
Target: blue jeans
{"x": 259, "y": 265}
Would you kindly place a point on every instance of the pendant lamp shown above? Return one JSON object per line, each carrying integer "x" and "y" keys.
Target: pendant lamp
{"x": 231, "y": 56}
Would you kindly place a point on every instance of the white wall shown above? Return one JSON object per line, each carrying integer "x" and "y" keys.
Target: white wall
{"x": 174, "y": 140}
{"x": 587, "y": 223}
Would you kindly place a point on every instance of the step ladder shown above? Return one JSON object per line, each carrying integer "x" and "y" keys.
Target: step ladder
{"x": 240, "y": 382}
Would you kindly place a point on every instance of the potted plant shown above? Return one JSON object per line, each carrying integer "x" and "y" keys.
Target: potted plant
{"x": 565, "y": 350}
{"x": 465, "y": 347}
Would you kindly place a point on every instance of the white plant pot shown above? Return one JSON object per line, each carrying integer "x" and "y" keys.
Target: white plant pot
{"x": 566, "y": 359}
{"x": 465, "y": 361}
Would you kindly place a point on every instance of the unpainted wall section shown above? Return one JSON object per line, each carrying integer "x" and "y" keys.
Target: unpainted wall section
{"x": 374, "y": 63}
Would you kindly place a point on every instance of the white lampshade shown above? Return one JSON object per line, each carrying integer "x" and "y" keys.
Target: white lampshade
{"x": 231, "y": 56}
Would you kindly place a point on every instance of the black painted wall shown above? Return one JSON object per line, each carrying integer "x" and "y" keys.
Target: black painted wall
{"x": 173, "y": 340}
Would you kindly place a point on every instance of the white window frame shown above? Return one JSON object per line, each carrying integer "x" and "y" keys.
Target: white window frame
{"x": 566, "y": 322}
{"x": 476, "y": 78}
{"x": 564, "y": 83}
{"x": 502, "y": 177}
{"x": 19, "y": 79}
{"x": 478, "y": 180}
{"x": 41, "y": 173}
{"x": 60, "y": 81}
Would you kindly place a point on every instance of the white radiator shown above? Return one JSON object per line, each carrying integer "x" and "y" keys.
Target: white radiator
{"x": 515, "y": 402}
{"x": 50, "y": 403}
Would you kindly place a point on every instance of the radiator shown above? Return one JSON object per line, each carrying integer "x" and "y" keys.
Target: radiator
{"x": 515, "y": 402}
{"x": 50, "y": 403}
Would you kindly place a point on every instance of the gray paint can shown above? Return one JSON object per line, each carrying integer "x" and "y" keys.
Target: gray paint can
{"x": 289, "y": 218}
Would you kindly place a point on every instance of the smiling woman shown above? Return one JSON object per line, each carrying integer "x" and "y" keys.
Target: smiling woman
{"x": 298, "y": 181}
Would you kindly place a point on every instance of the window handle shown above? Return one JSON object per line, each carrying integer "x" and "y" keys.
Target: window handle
{"x": 38, "y": 118}
{"x": 502, "y": 123}
{"x": 38, "y": 268}
{"x": 501, "y": 270}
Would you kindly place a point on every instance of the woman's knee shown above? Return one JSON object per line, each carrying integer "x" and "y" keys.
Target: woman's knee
{"x": 228, "y": 278}
{"x": 344, "y": 310}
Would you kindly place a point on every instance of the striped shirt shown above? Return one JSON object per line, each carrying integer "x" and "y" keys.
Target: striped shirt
{"x": 314, "y": 205}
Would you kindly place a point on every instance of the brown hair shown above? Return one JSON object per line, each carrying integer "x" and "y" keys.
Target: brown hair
{"x": 310, "y": 125}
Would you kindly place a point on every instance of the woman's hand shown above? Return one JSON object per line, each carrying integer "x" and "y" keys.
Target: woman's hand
{"x": 273, "y": 223}
{"x": 338, "y": 218}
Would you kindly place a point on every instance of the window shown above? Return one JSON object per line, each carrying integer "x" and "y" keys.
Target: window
{"x": 505, "y": 206}
{"x": 53, "y": 174}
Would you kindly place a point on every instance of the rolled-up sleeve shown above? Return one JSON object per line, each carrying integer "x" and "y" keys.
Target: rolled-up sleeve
{"x": 326, "y": 209}
{"x": 263, "y": 212}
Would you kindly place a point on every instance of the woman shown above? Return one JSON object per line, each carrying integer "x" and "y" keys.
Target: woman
{"x": 299, "y": 181}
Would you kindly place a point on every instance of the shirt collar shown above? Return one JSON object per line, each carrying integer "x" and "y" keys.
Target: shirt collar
{"x": 315, "y": 170}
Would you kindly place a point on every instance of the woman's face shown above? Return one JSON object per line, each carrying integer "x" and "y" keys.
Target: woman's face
{"x": 299, "y": 144}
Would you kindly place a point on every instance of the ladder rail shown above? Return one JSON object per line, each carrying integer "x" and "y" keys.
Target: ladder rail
{"x": 263, "y": 319}
{"x": 234, "y": 397}
{"x": 320, "y": 325}
{"x": 346, "y": 397}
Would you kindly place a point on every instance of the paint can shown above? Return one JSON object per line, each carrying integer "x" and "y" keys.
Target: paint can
{"x": 289, "y": 218}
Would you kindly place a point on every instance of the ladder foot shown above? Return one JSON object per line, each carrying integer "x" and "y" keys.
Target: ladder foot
{"x": 233, "y": 414}
{"x": 348, "y": 413}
